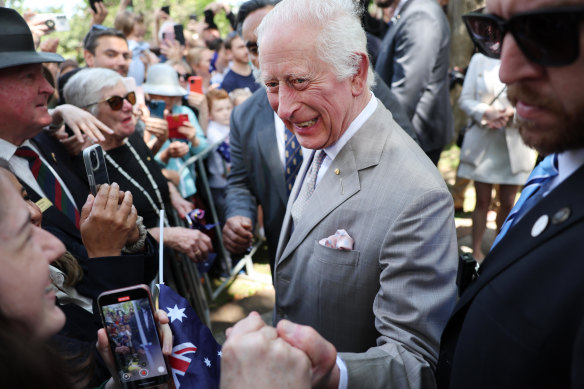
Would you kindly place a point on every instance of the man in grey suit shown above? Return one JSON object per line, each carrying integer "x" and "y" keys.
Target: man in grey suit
{"x": 413, "y": 61}
{"x": 257, "y": 175}
{"x": 381, "y": 293}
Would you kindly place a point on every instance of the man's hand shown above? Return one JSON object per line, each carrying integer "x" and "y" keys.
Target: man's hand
{"x": 237, "y": 234}
{"x": 99, "y": 16}
{"x": 193, "y": 243}
{"x": 322, "y": 354}
{"x": 254, "y": 357}
{"x": 106, "y": 223}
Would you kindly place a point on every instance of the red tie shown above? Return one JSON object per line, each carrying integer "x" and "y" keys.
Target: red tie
{"x": 49, "y": 184}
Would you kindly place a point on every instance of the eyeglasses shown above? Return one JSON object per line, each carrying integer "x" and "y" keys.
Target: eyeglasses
{"x": 252, "y": 47}
{"x": 547, "y": 37}
{"x": 184, "y": 76}
{"x": 117, "y": 102}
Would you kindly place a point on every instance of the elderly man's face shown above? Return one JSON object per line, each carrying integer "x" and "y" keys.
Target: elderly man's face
{"x": 549, "y": 100}
{"x": 24, "y": 93}
{"x": 112, "y": 53}
{"x": 303, "y": 90}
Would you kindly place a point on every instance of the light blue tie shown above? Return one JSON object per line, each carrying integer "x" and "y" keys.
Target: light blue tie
{"x": 533, "y": 190}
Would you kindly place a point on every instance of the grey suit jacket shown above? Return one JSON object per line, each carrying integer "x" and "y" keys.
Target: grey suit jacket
{"x": 383, "y": 304}
{"x": 257, "y": 173}
{"x": 413, "y": 61}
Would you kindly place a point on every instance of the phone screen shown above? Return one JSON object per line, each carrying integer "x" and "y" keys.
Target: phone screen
{"x": 133, "y": 336}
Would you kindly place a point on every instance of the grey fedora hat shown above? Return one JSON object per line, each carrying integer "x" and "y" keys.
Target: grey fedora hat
{"x": 16, "y": 44}
{"x": 162, "y": 80}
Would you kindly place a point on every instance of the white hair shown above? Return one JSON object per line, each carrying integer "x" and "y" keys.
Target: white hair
{"x": 341, "y": 39}
{"x": 85, "y": 87}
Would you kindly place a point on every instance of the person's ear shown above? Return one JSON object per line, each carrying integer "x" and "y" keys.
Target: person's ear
{"x": 89, "y": 58}
{"x": 359, "y": 79}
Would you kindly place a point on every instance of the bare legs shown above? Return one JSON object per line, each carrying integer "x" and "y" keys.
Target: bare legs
{"x": 479, "y": 216}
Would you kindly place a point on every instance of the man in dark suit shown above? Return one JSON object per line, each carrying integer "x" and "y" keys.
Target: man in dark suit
{"x": 520, "y": 324}
{"x": 257, "y": 175}
{"x": 413, "y": 61}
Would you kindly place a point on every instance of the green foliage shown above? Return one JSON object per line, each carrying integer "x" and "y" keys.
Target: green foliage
{"x": 71, "y": 42}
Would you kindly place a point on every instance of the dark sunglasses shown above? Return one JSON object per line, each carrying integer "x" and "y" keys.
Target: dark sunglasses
{"x": 252, "y": 47}
{"x": 117, "y": 102}
{"x": 547, "y": 37}
{"x": 184, "y": 77}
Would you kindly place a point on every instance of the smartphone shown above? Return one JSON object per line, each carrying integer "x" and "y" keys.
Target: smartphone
{"x": 92, "y": 4}
{"x": 156, "y": 108}
{"x": 179, "y": 34}
{"x": 128, "y": 317}
{"x": 54, "y": 21}
{"x": 196, "y": 84}
{"x": 174, "y": 122}
{"x": 95, "y": 167}
{"x": 166, "y": 9}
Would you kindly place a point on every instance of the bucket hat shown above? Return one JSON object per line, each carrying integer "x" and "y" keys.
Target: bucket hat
{"x": 162, "y": 80}
{"x": 16, "y": 44}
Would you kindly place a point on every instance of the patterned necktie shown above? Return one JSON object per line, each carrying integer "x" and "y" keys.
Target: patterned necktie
{"x": 293, "y": 158}
{"x": 49, "y": 184}
{"x": 532, "y": 192}
{"x": 308, "y": 186}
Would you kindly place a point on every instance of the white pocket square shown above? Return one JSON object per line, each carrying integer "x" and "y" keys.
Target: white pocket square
{"x": 340, "y": 241}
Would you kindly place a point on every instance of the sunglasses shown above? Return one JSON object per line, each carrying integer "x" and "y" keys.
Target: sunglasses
{"x": 117, "y": 102}
{"x": 547, "y": 37}
{"x": 184, "y": 76}
{"x": 252, "y": 47}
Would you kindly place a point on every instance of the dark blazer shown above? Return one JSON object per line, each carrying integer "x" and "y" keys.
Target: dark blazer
{"x": 521, "y": 323}
{"x": 413, "y": 61}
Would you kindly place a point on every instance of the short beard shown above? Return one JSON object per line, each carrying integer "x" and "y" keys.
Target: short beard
{"x": 385, "y": 3}
{"x": 569, "y": 133}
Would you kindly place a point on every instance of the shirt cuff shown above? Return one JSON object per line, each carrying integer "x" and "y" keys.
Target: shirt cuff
{"x": 344, "y": 375}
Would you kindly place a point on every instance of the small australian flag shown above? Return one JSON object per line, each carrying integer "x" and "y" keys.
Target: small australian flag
{"x": 196, "y": 356}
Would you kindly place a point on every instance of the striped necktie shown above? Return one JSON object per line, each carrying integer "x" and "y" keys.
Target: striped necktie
{"x": 293, "y": 158}
{"x": 308, "y": 186}
{"x": 49, "y": 184}
{"x": 532, "y": 192}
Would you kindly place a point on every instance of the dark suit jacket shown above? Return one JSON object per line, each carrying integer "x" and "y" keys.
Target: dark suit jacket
{"x": 413, "y": 61}
{"x": 521, "y": 323}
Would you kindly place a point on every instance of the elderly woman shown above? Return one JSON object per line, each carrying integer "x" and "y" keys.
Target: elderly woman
{"x": 130, "y": 163}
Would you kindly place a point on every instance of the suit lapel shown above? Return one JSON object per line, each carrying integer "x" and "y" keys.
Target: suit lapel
{"x": 519, "y": 240}
{"x": 268, "y": 146}
{"x": 362, "y": 151}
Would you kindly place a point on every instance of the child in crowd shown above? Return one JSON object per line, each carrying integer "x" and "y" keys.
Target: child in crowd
{"x": 189, "y": 139}
{"x": 219, "y": 162}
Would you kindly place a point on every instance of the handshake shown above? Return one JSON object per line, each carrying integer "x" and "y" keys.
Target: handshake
{"x": 257, "y": 356}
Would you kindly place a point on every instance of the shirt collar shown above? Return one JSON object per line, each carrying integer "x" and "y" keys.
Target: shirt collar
{"x": 332, "y": 150}
{"x": 568, "y": 162}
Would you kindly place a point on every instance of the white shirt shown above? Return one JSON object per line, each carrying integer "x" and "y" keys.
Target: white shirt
{"x": 334, "y": 149}
{"x": 568, "y": 162}
{"x": 21, "y": 168}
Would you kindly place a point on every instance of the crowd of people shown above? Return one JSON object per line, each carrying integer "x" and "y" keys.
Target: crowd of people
{"x": 323, "y": 126}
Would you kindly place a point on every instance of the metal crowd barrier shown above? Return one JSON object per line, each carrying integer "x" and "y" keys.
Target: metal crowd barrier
{"x": 224, "y": 256}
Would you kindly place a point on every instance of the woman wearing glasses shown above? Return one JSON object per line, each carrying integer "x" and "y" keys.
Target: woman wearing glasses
{"x": 492, "y": 151}
{"x": 130, "y": 163}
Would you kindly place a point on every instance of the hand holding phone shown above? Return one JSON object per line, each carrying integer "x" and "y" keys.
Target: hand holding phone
{"x": 92, "y": 4}
{"x": 95, "y": 167}
{"x": 128, "y": 318}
